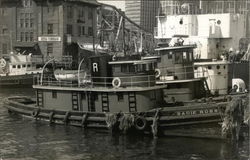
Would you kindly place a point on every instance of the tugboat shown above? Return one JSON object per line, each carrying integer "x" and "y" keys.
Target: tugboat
{"x": 122, "y": 94}
{"x": 18, "y": 70}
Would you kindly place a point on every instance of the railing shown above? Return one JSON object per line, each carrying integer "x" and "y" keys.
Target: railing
{"x": 180, "y": 73}
{"x": 93, "y": 82}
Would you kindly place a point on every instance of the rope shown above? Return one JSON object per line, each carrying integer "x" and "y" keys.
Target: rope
{"x": 126, "y": 122}
{"x": 154, "y": 126}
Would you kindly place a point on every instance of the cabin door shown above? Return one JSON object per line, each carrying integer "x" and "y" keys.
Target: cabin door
{"x": 91, "y": 101}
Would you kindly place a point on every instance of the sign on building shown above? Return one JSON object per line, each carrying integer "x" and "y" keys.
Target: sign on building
{"x": 49, "y": 39}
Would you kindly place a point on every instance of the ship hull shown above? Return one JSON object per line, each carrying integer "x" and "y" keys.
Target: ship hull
{"x": 198, "y": 120}
{"x": 17, "y": 80}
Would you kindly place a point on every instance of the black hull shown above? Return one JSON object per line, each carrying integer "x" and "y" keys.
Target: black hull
{"x": 199, "y": 120}
{"x": 17, "y": 81}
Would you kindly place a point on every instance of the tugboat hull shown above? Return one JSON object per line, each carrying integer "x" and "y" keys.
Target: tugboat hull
{"x": 199, "y": 120}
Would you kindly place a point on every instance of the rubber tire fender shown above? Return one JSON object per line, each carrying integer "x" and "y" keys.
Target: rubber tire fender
{"x": 140, "y": 123}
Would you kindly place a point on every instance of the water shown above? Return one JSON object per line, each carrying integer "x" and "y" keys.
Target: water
{"x": 25, "y": 139}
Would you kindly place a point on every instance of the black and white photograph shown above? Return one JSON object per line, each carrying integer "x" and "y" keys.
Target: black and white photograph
{"x": 124, "y": 79}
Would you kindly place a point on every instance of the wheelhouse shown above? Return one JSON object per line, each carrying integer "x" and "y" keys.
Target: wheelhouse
{"x": 176, "y": 63}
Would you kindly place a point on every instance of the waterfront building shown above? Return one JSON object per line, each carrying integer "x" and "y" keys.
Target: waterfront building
{"x": 142, "y": 12}
{"x": 50, "y": 28}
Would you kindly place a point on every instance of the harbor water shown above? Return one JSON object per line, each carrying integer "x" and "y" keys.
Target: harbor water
{"x": 26, "y": 139}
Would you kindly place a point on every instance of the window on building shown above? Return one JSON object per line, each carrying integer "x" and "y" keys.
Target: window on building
{"x": 5, "y": 48}
{"x": 90, "y": 13}
{"x": 5, "y": 31}
{"x": 79, "y": 31}
{"x": 51, "y": 10}
{"x": 49, "y": 49}
{"x": 54, "y": 94}
{"x": 26, "y": 23}
{"x": 83, "y": 30}
{"x": 50, "y": 28}
{"x": 31, "y": 22}
{"x": 3, "y": 11}
{"x": 27, "y": 3}
{"x": 22, "y": 36}
{"x": 81, "y": 14}
{"x": 69, "y": 29}
{"x": 31, "y": 36}
{"x": 90, "y": 31}
{"x": 26, "y": 36}
{"x": 21, "y": 23}
{"x": 69, "y": 12}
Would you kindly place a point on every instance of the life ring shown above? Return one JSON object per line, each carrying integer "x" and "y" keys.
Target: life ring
{"x": 140, "y": 123}
{"x": 2, "y": 63}
{"x": 35, "y": 113}
{"x": 116, "y": 82}
{"x": 157, "y": 73}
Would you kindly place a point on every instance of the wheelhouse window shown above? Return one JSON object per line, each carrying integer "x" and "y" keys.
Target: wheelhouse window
{"x": 178, "y": 58}
{"x": 170, "y": 55}
{"x": 54, "y": 94}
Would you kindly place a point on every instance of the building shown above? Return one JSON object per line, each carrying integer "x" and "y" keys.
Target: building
{"x": 52, "y": 28}
{"x": 142, "y": 12}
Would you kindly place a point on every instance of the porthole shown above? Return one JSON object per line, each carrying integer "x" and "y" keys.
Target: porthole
{"x": 218, "y": 67}
{"x": 181, "y": 21}
{"x": 209, "y": 67}
{"x": 218, "y": 22}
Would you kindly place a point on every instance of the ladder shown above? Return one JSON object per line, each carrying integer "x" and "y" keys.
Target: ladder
{"x": 105, "y": 102}
{"x": 132, "y": 102}
{"x": 75, "y": 106}
{"x": 39, "y": 98}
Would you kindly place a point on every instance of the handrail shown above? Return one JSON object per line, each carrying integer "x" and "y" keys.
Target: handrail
{"x": 44, "y": 68}
{"x": 106, "y": 82}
